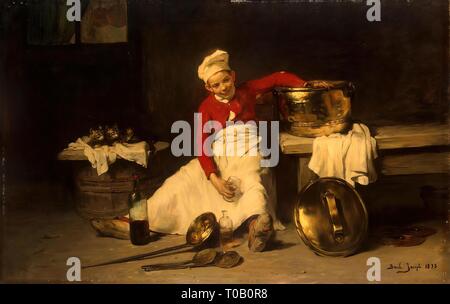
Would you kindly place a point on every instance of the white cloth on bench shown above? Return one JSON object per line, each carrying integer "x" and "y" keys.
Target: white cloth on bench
{"x": 347, "y": 156}
{"x": 102, "y": 157}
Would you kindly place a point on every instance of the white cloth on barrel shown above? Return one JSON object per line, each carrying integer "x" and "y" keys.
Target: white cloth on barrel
{"x": 188, "y": 193}
{"x": 347, "y": 156}
{"x": 103, "y": 156}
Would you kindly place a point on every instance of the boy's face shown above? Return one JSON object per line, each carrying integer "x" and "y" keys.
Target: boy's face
{"x": 222, "y": 84}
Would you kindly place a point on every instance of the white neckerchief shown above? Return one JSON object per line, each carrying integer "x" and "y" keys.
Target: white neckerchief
{"x": 232, "y": 115}
{"x": 223, "y": 99}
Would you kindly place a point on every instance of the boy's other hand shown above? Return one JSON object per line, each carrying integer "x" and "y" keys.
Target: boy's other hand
{"x": 221, "y": 186}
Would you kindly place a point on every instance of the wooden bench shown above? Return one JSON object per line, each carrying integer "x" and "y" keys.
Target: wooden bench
{"x": 416, "y": 149}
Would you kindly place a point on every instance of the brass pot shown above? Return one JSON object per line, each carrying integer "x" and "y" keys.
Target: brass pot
{"x": 314, "y": 112}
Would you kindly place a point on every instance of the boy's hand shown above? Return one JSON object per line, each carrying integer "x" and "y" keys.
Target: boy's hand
{"x": 221, "y": 186}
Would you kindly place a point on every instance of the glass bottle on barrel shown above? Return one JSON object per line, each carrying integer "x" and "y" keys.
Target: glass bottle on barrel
{"x": 139, "y": 225}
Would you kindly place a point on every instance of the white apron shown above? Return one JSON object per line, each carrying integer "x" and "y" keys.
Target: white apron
{"x": 188, "y": 193}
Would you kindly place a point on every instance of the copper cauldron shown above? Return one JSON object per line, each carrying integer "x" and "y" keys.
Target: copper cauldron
{"x": 314, "y": 112}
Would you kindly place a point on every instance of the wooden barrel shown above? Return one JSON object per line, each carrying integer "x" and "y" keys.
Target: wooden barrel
{"x": 106, "y": 196}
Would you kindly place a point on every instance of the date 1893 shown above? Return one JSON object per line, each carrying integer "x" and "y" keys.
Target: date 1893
{"x": 409, "y": 267}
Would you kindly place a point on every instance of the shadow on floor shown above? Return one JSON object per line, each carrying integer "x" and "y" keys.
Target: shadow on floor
{"x": 279, "y": 245}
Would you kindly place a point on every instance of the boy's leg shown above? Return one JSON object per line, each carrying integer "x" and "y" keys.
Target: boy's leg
{"x": 117, "y": 228}
{"x": 260, "y": 232}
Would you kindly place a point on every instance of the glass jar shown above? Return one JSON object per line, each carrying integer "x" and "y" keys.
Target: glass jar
{"x": 226, "y": 230}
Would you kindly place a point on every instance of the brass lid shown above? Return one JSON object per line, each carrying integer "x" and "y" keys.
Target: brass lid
{"x": 331, "y": 217}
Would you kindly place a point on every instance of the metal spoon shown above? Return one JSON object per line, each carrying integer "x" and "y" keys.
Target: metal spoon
{"x": 223, "y": 260}
{"x": 227, "y": 259}
{"x": 203, "y": 257}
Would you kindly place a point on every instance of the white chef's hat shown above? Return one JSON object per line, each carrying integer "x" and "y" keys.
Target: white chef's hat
{"x": 216, "y": 62}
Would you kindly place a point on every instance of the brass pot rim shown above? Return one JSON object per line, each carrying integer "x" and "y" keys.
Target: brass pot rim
{"x": 304, "y": 89}
{"x": 335, "y": 86}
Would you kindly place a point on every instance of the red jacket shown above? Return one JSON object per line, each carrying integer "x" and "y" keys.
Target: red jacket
{"x": 243, "y": 104}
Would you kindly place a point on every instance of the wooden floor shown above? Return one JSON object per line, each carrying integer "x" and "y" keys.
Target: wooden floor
{"x": 41, "y": 234}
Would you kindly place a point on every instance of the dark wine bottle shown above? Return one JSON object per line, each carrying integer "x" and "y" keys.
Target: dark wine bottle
{"x": 139, "y": 225}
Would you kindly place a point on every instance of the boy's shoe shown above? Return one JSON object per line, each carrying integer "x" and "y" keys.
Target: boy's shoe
{"x": 116, "y": 228}
{"x": 260, "y": 232}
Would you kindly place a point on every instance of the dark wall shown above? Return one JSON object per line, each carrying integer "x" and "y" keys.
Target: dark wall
{"x": 399, "y": 64}
{"x": 52, "y": 95}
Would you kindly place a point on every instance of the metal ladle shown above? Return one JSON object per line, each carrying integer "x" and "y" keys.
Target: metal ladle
{"x": 223, "y": 260}
{"x": 200, "y": 230}
{"x": 203, "y": 257}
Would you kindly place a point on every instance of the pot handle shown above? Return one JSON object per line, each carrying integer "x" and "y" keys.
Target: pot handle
{"x": 350, "y": 89}
{"x": 338, "y": 230}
